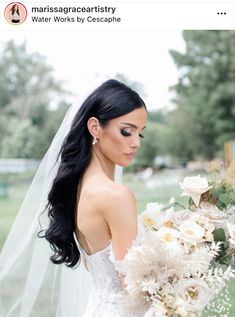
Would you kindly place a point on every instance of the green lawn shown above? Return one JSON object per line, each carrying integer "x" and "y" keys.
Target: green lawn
{"x": 166, "y": 187}
{"x": 9, "y": 207}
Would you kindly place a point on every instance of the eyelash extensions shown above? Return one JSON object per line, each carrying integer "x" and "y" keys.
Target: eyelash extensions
{"x": 124, "y": 133}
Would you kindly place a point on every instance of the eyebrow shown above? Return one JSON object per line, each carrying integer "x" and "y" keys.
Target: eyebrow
{"x": 132, "y": 125}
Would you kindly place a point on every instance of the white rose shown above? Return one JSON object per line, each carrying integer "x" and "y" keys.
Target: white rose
{"x": 216, "y": 216}
{"x": 191, "y": 232}
{"x": 231, "y": 231}
{"x": 195, "y": 294}
{"x": 194, "y": 187}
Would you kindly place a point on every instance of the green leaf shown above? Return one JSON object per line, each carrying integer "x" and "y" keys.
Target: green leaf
{"x": 219, "y": 235}
{"x": 224, "y": 198}
{"x": 226, "y": 260}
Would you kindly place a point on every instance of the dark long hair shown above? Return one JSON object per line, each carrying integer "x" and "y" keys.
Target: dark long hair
{"x": 110, "y": 100}
{"x": 13, "y": 10}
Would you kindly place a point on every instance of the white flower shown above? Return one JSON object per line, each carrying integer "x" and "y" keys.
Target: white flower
{"x": 167, "y": 234}
{"x": 214, "y": 215}
{"x": 181, "y": 308}
{"x": 194, "y": 187}
{"x": 200, "y": 219}
{"x": 153, "y": 217}
{"x": 208, "y": 227}
{"x": 157, "y": 310}
{"x": 191, "y": 232}
{"x": 160, "y": 311}
{"x": 167, "y": 218}
{"x": 170, "y": 238}
{"x": 181, "y": 215}
{"x": 195, "y": 294}
{"x": 150, "y": 286}
{"x": 209, "y": 237}
{"x": 155, "y": 207}
{"x": 231, "y": 231}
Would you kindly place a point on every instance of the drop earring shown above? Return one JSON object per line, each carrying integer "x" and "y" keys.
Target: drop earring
{"x": 94, "y": 141}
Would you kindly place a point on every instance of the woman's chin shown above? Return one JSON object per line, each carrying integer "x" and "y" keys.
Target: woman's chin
{"x": 125, "y": 163}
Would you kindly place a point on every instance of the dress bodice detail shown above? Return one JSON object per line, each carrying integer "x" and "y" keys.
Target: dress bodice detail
{"x": 107, "y": 293}
{"x": 107, "y": 297}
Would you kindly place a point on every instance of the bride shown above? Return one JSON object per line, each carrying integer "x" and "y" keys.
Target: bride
{"x": 89, "y": 215}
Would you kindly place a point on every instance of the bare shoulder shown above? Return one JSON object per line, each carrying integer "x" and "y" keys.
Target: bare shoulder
{"x": 118, "y": 207}
{"x": 116, "y": 197}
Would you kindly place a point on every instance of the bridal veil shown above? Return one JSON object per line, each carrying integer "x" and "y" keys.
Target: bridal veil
{"x": 30, "y": 284}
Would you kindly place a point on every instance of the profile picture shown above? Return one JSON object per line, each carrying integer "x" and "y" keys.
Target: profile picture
{"x": 15, "y": 13}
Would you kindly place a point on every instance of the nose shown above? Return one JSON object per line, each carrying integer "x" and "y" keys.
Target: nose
{"x": 136, "y": 142}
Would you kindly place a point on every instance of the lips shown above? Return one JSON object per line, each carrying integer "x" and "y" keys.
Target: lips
{"x": 132, "y": 154}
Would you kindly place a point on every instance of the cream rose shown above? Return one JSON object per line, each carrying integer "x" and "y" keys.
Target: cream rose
{"x": 194, "y": 187}
{"x": 217, "y": 217}
{"x": 195, "y": 294}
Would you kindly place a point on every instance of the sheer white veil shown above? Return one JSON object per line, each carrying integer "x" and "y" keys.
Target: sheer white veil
{"x": 30, "y": 284}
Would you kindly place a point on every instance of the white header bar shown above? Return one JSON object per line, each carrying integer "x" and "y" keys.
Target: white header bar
{"x": 209, "y": 15}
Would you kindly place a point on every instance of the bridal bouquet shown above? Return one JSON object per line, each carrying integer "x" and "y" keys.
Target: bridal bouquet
{"x": 182, "y": 262}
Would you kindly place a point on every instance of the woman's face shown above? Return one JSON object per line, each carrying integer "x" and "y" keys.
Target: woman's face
{"x": 121, "y": 138}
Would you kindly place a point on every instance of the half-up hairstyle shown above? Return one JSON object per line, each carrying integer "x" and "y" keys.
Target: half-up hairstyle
{"x": 110, "y": 100}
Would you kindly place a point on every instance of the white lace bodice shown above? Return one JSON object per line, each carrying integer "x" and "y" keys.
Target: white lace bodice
{"x": 107, "y": 298}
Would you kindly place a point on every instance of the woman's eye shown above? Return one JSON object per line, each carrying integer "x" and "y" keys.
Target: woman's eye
{"x": 123, "y": 132}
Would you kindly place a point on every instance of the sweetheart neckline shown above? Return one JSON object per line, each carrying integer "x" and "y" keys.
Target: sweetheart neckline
{"x": 97, "y": 252}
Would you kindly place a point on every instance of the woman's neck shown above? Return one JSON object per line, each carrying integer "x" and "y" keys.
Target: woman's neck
{"x": 101, "y": 163}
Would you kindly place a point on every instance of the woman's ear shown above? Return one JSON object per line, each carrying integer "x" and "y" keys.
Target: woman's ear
{"x": 93, "y": 126}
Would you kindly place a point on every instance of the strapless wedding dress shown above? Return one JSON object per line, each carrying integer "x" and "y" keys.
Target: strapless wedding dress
{"x": 107, "y": 297}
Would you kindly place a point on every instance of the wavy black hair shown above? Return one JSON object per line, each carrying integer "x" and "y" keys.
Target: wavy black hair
{"x": 110, "y": 100}
{"x": 15, "y": 8}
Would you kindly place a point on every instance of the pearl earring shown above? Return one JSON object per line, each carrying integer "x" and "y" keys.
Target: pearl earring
{"x": 94, "y": 141}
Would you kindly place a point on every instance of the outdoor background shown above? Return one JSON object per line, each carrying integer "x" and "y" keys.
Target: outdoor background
{"x": 187, "y": 80}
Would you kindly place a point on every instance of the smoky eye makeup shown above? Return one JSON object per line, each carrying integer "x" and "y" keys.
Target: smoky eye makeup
{"x": 125, "y": 133}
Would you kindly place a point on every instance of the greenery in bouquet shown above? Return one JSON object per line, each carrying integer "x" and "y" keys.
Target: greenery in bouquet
{"x": 187, "y": 255}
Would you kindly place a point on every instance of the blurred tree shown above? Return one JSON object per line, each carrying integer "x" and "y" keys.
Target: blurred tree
{"x": 205, "y": 113}
{"x": 27, "y": 87}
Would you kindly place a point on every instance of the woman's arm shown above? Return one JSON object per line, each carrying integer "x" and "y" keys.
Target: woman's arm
{"x": 120, "y": 212}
